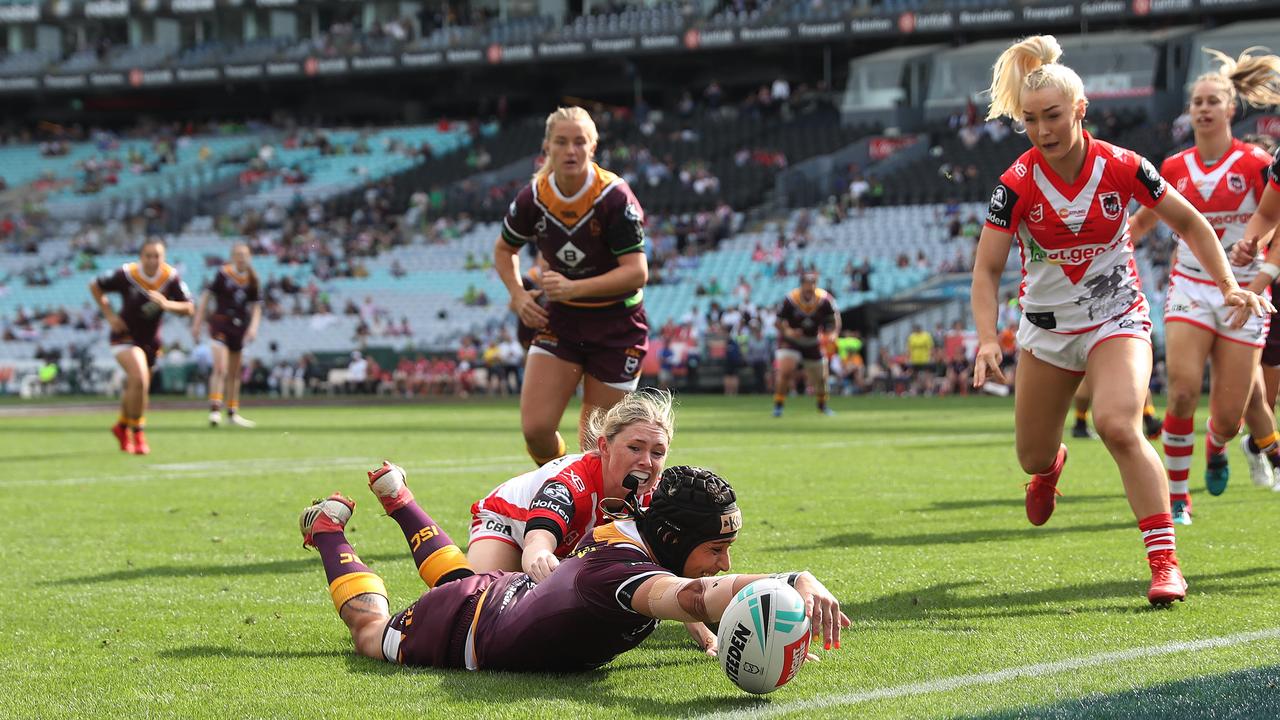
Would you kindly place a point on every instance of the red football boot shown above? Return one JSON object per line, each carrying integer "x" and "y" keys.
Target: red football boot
{"x": 328, "y": 515}
{"x": 387, "y": 482}
{"x": 122, "y": 435}
{"x": 1042, "y": 491}
{"x": 140, "y": 446}
{"x": 1167, "y": 583}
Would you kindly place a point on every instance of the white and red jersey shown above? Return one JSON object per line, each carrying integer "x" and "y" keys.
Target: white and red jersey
{"x": 1077, "y": 258}
{"x": 566, "y": 491}
{"x": 1226, "y": 193}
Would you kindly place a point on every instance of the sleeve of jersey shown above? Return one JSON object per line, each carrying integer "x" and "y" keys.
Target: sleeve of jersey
{"x": 1273, "y": 173}
{"x": 609, "y": 582}
{"x": 551, "y": 510}
{"x": 518, "y": 224}
{"x": 112, "y": 281}
{"x": 833, "y": 311}
{"x": 255, "y": 292}
{"x": 177, "y": 291}
{"x": 1000, "y": 210}
{"x": 626, "y": 233}
{"x": 1149, "y": 186}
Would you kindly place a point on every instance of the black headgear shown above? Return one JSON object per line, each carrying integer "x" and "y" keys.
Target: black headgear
{"x": 690, "y": 506}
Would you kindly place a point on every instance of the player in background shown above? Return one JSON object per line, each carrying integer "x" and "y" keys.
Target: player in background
{"x": 147, "y": 288}
{"x": 237, "y": 297}
{"x": 807, "y": 317}
{"x": 1223, "y": 178}
{"x": 589, "y": 229}
{"x": 530, "y": 523}
{"x": 654, "y": 564}
{"x": 1084, "y": 314}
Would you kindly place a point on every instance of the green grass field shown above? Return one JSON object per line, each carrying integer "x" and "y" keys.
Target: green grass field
{"x": 174, "y": 585}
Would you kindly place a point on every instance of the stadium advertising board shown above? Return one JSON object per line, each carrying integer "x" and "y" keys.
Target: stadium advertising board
{"x": 1043, "y": 16}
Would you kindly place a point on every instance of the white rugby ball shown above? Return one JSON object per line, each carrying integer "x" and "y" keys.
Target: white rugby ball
{"x": 764, "y": 636}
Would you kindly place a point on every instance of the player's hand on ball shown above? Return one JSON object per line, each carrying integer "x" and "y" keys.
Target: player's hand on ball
{"x": 557, "y": 286}
{"x": 986, "y": 364}
{"x": 525, "y": 304}
{"x": 823, "y": 610}
{"x": 540, "y": 565}
{"x": 703, "y": 636}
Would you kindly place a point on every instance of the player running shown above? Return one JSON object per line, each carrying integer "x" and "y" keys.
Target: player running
{"x": 807, "y": 315}
{"x": 1084, "y": 312}
{"x": 1223, "y": 178}
{"x": 147, "y": 289}
{"x": 234, "y": 324}
{"x": 656, "y": 564}
{"x": 589, "y": 228}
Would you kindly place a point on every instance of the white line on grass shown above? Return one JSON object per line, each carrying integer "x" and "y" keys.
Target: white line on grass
{"x": 999, "y": 676}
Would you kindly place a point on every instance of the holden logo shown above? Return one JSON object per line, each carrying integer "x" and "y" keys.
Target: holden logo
{"x": 570, "y": 254}
{"x": 998, "y": 198}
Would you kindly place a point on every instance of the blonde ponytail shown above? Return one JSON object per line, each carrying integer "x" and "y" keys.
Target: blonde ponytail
{"x": 1254, "y": 79}
{"x": 1030, "y": 64}
{"x": 572, "y": 114}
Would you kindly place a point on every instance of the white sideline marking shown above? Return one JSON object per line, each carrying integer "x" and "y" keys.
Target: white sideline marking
{"x": 999, "y": 676}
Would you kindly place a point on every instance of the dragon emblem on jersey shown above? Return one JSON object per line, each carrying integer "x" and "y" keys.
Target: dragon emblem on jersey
{"x": 1109, "y": 295}
{"x": 1236, "y": 183}
{"x": 1111, "y": 205}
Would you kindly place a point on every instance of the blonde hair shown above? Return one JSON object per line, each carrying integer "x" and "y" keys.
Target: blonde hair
{"x": 656, "y": 407}
{"x": 1254, "y": 79}
{"x": 1030, "y": 64}
{"x": 570, "y": 114}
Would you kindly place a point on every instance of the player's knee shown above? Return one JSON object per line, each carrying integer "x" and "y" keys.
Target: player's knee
{"x": 1036, "y": 460}
{"x": 1118, "y": 429}
{"x": 1225, "y": 428}
{"x": 539, "y": 429}
{"x": 1182, "y": 401}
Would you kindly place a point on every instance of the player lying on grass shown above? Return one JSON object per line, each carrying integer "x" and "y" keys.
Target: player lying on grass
{"x": 533, "y": 521}
{"x": 656, "y": 564}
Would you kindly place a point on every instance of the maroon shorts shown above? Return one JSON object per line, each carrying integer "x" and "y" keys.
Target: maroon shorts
{"x": 807, "y": 352}
{"x": 225, "y": 332}
{"x": 433, "y": 631}
{"x": 118, "y": 341}
{"x": 1271, "y": 350}
{"x": 608, "y": 346}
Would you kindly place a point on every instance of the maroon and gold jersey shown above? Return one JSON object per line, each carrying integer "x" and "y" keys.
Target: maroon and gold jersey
{"x": 234, "y": 295}
{"x": 580, "y": 236}
{"x": 140, "y": 315}
{"x": 579, "y": 618}
{"x": 810, "y": 318}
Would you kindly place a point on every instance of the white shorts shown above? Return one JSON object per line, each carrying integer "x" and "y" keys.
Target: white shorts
{"x": 489, "y": 525}
{"x": 1071, "y": 352}
{"x": 1200, "y": 304}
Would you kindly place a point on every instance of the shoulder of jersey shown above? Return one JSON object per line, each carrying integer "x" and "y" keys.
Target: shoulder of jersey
{"x": 1258, "y": 153}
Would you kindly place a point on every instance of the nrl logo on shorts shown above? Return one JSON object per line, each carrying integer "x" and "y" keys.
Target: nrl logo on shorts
{"x": 1111, "y": 206}
{"x": 1236, "y": 183}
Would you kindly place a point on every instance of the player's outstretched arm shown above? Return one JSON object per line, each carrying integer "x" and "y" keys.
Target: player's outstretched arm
{"x": 539, "y": 557}
{"x": 197, "y": 318}
{"x": 1141, "y": 223}
{"x": 988, "y": 266}
{"x": 1265, "y": 219}
{"x": 704, "y": 600}
{"x": 1199, "y": 235}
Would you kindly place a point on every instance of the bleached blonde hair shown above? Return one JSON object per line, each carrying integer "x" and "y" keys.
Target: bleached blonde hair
{"x": 656, "y": 407}
{"x": 1253, "y": 79}
{"x": 1027, "y": 65}
{"x": 571, "y": 114}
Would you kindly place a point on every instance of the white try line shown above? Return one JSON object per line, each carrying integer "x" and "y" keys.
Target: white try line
{"x": 965, "y": 681}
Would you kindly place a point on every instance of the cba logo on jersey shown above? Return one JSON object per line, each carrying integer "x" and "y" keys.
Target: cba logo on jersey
{"x": 1111, "y": 205}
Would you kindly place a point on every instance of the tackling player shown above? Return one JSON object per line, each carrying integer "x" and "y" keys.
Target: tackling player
{"x": 234, "y": 324}
{"x": 589, "y": 228}
{"x": 1084, "y": 313}
{"x": 147, "y": 289}
{"x": 1223, "y": 178}
{"x": 605, "y": 599}
{"x": 807, "y": 315}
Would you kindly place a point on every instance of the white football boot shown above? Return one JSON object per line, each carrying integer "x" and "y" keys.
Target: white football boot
{"x": 1260, "y": 470}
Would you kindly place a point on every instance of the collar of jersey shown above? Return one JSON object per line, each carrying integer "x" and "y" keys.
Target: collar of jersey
{"x": 591, "y": 178}
{"x": 1071, "y": 190}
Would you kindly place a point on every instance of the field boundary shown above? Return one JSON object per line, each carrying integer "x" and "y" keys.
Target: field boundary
{"x": 989, "y": 678}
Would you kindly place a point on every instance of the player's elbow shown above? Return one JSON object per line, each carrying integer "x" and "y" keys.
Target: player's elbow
{"x": 693, "y": 601}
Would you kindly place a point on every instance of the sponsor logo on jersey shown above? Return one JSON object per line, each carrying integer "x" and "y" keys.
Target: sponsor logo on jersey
{"x": 1037, "y": 213}
{"x": 632, "y": 213}
{"x": 1020, "y": 170}
{"x": 576, "y": 481}
{"x": 1181, "y": 185}
{"x": 631, "y": 365}
{"x": 511, "y": 209}
{"x": 496, "y": 526}
{"x": 570, "y": 254}
{"x": 1111, "y": 205}
{"x": 999, "y": 198}
{"x": 556, "y": 491}
{"x": 1236, "y": 183}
